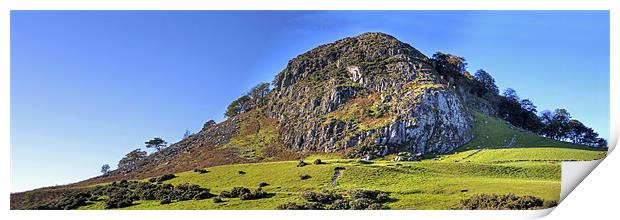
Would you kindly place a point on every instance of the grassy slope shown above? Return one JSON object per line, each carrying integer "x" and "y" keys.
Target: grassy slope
{"x": 430, "y": 184}
{"x": 491, "y": 132}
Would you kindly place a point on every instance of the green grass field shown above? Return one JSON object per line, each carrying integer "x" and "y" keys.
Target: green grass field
{"x": 531, "y": 166}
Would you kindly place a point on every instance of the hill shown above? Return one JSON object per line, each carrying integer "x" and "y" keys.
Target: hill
{"x": 392, "y": 129}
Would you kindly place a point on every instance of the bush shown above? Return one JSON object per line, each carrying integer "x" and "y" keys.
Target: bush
{"x": 304, "y": 176}
{"x": 166, "y": 177}
{"x": 241, "y": 172}
{"x": 235, "y": 192}
{"x": 357, "y": 200}
{"x": 263, "y": 184}
{"x": 203, "y": 195}
{"x": 501, "y": 202}
{"x": 69, "y": 200}
{"x": 201, "y": 171}
{"x": 360, "y": 204}
{"x": 256, "y": 194}
{"x": 217, "y": 200}
{"x": 325, "y": 197}
{"x": 188, "y": 192}
{"x": 165, "y": 201}
{"x": 162, "y": 178}
{"x": 301, "y": 163}
{"x": 317, "y": 162}
{"x": 291, "y": 206}
{"x": 119, "y": 199}
{"x": 340, "y": 204}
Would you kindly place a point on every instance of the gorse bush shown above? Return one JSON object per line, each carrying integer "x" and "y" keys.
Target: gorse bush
{"x": 304, "y": 176}
{"x": 317, "y": 162}
{"x": 119, "y": 199}
{"x": 123, "y": 193}
{"x": 352, "y": 200}
{"x": 165, "y": 201}
{"x": 301, "y": 163}
{"x": 245, "y": 193}
{"x": 217, "y": 200}
{"x": 201, "y": 171}
{"x": 162, "y": 178}
{"x": 263, "y": 184}
{"x": 504, "y": 202}
{"x": 325, "y": 197}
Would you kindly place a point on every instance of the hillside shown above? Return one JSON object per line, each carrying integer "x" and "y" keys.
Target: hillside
{"x": 391, "y": 131}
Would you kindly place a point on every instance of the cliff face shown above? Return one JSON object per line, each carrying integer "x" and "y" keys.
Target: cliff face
{"x": 372, "y": 92}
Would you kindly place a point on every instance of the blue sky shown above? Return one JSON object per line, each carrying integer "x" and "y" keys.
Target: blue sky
{"x": 89, "y": 86}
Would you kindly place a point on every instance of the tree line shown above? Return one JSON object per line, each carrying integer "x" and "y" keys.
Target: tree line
{"x": 557, "y": 124}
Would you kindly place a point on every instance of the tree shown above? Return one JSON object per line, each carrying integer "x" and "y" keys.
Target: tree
{"x": 601, "y": 142}
{"x": 208, "y": 124}
{"x": 242, "y": 104}
{"x": 528, "y": 105}
{"x": 156, "y": 143}
{"x": 561, "y": 118}
{"x": 259, "y": 92}
{"x": 487, "y": 83}
{"x": 187, "y": 134}
{"x": 577, "y": 131}
{"x": 449, "y": 64}
{"x": 511, "y": 94}
{"x": 132, "y": 160}
{"x": 546, "y": 117}
{"x": 105, "y": 169}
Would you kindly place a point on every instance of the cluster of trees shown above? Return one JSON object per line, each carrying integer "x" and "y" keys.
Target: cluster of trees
{"x": 521, "y": 113}
{"x": 255, "y": 97}
{"x": 136, "y": 158}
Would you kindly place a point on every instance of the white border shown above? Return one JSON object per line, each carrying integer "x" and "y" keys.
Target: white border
{"x": 605, "y": 168}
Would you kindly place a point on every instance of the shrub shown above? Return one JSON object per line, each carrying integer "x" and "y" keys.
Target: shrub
{"x": 304, "y": 176}
{"x": 256, "y": 194}
{"x": 235, "y": 192}
{"x": 361, "y": 193}
{"x": 69, "y": 200}
{"x": 340, "y": 204}
{"x": 203, "y": 195}
{"x": 162, "y": 178}
{"x": 263, "y": 184}
{"x": 549, "y": 204}
{"x": 165, "y": 201}
{"x": 291, "y": 206}
{"x": 301, "y": 163}
{"x": 187, "y": 192}
{"x": 295, "y": 206}
{"x": 501, "y": 202}
{"x": 241, "y": 172}
{"x": 201, "y": 171}
{"x": 166, "y": 177}
{"x": 317, "y": 162}
{"x": 325, "y": 197}
{"x": 217, "y": 200}
{"x": 357, "y": 200}
{"x": 119, "y": 199}
{"x": 360, "y": 204}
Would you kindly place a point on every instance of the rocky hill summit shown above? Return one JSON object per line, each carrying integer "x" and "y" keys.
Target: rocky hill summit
{"x": 372, "y": 92}
{"x": 363, "y": 96}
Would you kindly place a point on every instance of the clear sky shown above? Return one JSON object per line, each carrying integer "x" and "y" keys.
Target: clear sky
{"x": 89, "y": 86}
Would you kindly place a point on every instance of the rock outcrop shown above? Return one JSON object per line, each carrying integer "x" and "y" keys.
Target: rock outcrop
{"x": 372, "y": 92}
